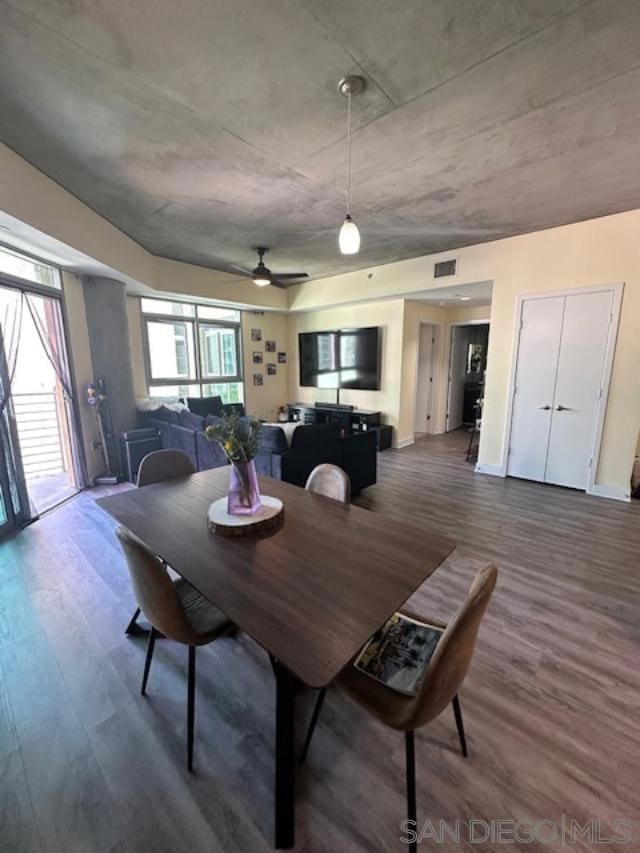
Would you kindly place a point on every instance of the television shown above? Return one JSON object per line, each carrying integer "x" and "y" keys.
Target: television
{"x": 343, "y": 358}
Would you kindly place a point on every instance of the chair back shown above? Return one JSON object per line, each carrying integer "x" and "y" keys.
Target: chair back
{"x": 154, "y": 590}
{"x": 162, "y": 465}
{"x": 330, "y": 481}
{"x": 451, "y": 660}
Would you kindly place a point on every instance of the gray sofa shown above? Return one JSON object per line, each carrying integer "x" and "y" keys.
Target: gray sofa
{"x": 311, "y": 445}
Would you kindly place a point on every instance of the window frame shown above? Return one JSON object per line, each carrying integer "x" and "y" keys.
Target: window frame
{"x": 195, "y": 323}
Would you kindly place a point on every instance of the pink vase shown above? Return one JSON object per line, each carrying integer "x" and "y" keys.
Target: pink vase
{"x": 244, "y": 494}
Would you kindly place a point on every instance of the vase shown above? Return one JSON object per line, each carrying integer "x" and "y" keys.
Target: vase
{"x": 244, "y": 494}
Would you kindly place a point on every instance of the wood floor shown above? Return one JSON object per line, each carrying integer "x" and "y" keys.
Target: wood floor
{"x": 551, "y": 704}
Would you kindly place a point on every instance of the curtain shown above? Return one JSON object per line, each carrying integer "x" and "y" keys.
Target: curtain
{"x": 51, "y": 334}
{"x": 10, "y": 328}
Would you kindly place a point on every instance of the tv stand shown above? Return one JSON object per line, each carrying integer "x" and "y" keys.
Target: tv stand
{"x": 351, "y": 420}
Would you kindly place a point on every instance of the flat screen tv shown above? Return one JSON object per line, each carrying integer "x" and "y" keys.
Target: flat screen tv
{"x": 344, "y": 358}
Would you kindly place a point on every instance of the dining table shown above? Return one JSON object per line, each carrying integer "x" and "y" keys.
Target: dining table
{"x": 310, "y": 592}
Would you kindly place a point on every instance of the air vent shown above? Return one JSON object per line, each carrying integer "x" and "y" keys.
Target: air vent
{"x": 442, "y": 269}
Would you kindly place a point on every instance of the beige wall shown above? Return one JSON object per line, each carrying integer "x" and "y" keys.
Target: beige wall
{"x": 390, "y": 316}
{"x": 595, "y": 252}
{"x": 589, "y": 253}
{"x": 78, "y": 337}
{"x": 263, "y": 400}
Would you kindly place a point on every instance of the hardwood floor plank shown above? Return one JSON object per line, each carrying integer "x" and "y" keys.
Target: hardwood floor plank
{"x": 18, "y": 832}
{"x": 73, "y": 807}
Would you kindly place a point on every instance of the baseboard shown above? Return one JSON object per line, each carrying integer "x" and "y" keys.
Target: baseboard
{"x": 404, "y": 442}
{"x": 609, "y": 492}
{"x": 492, "y": 470}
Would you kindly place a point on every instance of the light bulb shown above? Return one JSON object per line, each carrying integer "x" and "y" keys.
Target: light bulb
{"x": 349, "y": 237}
{"x": 261, "y": 282}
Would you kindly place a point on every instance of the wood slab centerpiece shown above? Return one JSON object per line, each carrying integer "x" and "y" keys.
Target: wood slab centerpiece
{"x": 244, "y": 511}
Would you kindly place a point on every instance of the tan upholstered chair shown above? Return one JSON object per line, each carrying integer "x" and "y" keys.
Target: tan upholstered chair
{"x": 176, "y": 610}
{"x": 155, "y": 467}
{"x": 442, "y": 679}
{"x": 330, "y": 481}
{"x": 162, "y": 465}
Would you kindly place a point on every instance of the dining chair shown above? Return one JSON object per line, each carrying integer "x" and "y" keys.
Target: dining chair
{"x": 155, "y": 467}
{"x": 443, "y": 675}
{"x": 330, "y": 481}
{"x": 175, "y": 610}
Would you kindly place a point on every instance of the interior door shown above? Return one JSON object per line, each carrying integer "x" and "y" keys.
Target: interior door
{"x": 457, "y": 368}
{"x": 425, "y": 379}
{"x": 536, "y": 366}
{"x": 585, "y": 334}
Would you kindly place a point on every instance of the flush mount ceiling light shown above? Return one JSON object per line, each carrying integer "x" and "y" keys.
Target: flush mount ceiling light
{"x": 464, "y": 298}
{"x": 349, "y": 237}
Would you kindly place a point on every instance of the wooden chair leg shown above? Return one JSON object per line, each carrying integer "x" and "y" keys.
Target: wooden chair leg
{"x": 191, "y": 703}
{"x": 147, "y": 662}
{"x": 458, "y": 715}
{"x": 412, "y": 810}
{"x": 312, "y": 725}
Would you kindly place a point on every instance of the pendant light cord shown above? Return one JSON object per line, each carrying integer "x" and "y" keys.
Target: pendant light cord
{"x": 349, "y": 154}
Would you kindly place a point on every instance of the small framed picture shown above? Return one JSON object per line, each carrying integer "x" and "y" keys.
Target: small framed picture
{"x": 282, "y": 358}
{"x": 258, "y": 379}
{"x": 270, "y": 346}
{"x": 271, "y": 370}
{"x": 256, "y": 334}
{"x": 257, "y": 357}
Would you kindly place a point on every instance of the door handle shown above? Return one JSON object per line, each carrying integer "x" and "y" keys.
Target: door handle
{"x": 561, "y": 408}
{"x": 546, "y": 407}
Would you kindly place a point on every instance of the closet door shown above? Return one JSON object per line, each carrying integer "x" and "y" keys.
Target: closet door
{"x": 537, "y": 361}
{"x": 585, "y": 333}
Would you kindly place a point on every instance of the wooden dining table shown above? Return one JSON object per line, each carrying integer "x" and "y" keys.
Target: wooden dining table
{"x": 311, "y": 593}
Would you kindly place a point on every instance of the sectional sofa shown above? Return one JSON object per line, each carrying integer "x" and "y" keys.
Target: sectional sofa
{"x": 310, "y": 445}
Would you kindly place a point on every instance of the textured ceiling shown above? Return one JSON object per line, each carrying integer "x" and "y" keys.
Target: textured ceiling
{"x": 202, "y": 127}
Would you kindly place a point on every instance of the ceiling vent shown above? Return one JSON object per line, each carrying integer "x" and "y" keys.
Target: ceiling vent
{"x": 442, "y": 269}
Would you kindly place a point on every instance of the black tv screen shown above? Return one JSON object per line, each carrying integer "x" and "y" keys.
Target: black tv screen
{"x": 345, "y": 358}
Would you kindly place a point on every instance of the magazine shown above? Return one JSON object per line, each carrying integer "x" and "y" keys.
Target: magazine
{"x": 398, "y": 653}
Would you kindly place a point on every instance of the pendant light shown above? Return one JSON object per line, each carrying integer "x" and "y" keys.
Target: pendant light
{"x": 349, "y": 237}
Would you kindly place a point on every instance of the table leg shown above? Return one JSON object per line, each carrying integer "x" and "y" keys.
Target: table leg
{"x": 285, "y": 756}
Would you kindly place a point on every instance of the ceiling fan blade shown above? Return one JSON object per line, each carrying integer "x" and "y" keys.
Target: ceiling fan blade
{"x": 287, "y": 276}
{"x": 276, "y": 283}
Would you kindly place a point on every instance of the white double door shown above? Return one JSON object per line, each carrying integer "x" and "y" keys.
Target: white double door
{"x": 559, "y": 386}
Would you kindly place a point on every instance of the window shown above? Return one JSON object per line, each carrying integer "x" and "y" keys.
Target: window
{"x": 27, "y": 268}
{"x": 197, "y": 355}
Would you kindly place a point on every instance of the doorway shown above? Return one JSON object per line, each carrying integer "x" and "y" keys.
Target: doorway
{"x": 424, "y": 380}
{"x": 467, "y": 369}
{"x": 41, "y": 463}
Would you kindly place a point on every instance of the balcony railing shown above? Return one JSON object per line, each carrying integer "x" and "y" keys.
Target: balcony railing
{"x": 40, "y": 434}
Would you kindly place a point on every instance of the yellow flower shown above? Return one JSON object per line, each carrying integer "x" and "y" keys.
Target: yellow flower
{"x": 228, "y": 445}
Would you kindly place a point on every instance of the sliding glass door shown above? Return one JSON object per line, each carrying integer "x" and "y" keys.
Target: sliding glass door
{"x": 41, "y": 462}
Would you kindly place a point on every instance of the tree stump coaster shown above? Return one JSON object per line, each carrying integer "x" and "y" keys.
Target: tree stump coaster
{"x": 269, "y": 517}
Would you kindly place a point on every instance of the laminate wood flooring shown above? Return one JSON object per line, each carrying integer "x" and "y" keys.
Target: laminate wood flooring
{"x": 550, "y": 705}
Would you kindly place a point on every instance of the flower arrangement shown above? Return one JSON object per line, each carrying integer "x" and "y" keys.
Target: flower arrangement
{"x": 237, "y": 436}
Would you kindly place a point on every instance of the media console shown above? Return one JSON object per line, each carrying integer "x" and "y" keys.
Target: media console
{"x": 351, "y": 420}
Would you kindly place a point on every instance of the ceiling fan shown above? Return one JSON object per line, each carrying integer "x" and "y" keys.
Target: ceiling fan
{"x": 262, "y": 275}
